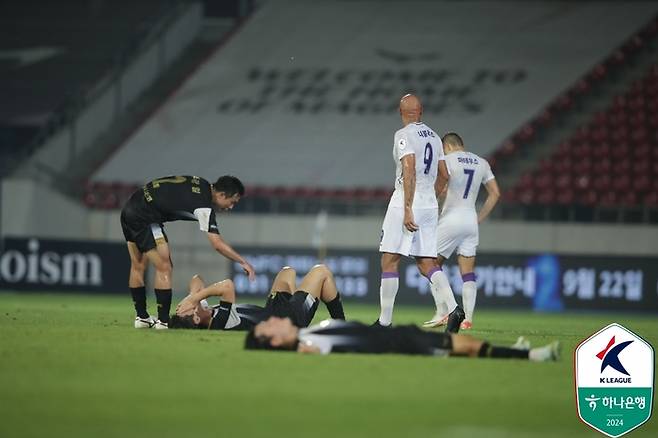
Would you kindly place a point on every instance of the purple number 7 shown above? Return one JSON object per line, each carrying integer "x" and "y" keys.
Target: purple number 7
{"x": 470, "y": 173}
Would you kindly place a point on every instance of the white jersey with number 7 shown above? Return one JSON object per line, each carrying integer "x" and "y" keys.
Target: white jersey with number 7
{"x": 467, "y": 172}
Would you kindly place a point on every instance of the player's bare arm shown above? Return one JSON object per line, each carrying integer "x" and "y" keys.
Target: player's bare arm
{"x": 222, "y": 247}
{"x": 222, "y": 289}
{"x": 441, "y": 183}
{"x": 409, "y": 184}
{"x": 493, "y": 194}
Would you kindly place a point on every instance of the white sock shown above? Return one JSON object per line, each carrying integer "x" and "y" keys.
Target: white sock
{"x": 387, "y": 292}
{"x": 441, "y": 307}
{"x": 443, "y": 290}
{"x": 469, "y": 292}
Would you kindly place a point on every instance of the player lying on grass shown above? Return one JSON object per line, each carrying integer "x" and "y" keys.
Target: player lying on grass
{"x": 285, "y": 300}
{"x": 354, "y": 337}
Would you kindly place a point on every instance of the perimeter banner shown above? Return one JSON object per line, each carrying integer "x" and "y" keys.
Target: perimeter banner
{"x": 544, "y": 282}
{"x": 34, "y": 264}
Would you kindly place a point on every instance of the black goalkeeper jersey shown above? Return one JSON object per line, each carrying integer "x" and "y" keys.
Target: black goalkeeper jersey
{"x": 174, "y": 198}
{"x": 337, "y": 336}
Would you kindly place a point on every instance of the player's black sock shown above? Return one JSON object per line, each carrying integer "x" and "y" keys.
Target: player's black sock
{"x": 335, "y": 308}
{"x": 139, "y": 300}
{"x": 163, "y": 297}
{"x": 488, "y": 350}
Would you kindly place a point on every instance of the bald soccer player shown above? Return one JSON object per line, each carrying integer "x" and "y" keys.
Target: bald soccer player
{"x": 411, "y": 220}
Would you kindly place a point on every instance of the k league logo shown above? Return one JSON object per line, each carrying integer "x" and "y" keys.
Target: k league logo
{"x": 614, "y": 377}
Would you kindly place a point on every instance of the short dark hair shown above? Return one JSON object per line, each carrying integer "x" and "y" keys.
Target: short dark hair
{"x": 183, "y": 322}
{"x": 453, "y": 139}
{"x": 252, "y": 342}
{"x": 230, "y": 185}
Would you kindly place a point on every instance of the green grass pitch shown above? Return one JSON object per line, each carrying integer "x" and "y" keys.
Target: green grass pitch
{"x": 73, "y": 366}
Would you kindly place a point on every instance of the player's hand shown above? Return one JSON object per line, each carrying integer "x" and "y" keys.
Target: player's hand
{"x": 249, "y": 270}
{"x": 409, "y": 223}
{"x": 187, "y": 305}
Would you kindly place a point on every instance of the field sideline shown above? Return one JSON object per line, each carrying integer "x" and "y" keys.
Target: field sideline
{"x": 72, "y": 366}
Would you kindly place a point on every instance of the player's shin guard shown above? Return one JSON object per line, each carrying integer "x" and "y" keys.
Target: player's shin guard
{"x": 335, "y": 308}
{"x": 139, "y": 301}
{"x": 488, "y": 350}
{"x": 469, "y": 292}
{"x": 387, "y": 292}
{"x": 439, "y": 281}
{"x": 163, "y": 298}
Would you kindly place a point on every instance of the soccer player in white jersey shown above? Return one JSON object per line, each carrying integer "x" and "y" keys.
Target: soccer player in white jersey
{"x": 458, "y": 225}
{"x": 411, "y": 220}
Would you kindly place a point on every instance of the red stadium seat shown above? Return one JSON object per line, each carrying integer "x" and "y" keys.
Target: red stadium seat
{"x": 602, "y": 182}
{"x": 589, "y": 198}
{"x": 583, "y": 182}
{"x": 526, "y": 181}
{"x": 563, "y": 181}
{"x": 628, "y": 199}
{"x": 642, "y": 183}
{"x": 542, "y": 181}
{"x": 566, "y": 196}
{"x": 546, "y": 197}
{"x": 582, "y": 167}
{"x": 608, "y": 199}
{"x": 601, "y": 150}
{"x": 602, "y": 166}
{"x": 510, "y": 196}
{"x": 621, "y": 183}
{"x": 527, "y": 196}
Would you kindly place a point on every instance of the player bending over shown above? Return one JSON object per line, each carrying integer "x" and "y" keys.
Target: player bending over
{"x": 172, "y": 198}
{"x": 459, "y": 222}
{"x": 332, "y": 336}
{"x": 285, "y": 300}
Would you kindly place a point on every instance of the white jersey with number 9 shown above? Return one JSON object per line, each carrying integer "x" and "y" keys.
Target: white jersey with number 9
{"x": 420, "y": 140}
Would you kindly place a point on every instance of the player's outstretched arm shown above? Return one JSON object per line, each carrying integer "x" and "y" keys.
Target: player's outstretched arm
{"x": 493, "y": 194}
{"x": 222, "y": 247}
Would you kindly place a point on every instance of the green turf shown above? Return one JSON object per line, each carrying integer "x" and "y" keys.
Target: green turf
{"x": 72, "y": 366}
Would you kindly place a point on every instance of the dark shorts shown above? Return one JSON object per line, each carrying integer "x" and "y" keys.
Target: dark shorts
{"x": 137, "y": 227}
{"x": 300, "y": 307}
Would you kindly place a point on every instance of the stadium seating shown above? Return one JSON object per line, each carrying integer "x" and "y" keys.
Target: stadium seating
{"x": 323, "y": 113}
{"x": 612, "y": 160}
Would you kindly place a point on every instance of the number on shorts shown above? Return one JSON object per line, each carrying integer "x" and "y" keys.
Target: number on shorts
{"x": 470, "y": 173}
{"x": 427, "y": 159}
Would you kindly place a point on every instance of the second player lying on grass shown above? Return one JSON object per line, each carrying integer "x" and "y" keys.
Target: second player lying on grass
{"x": 332, "y": 336}
{"x": 286, "y": 299}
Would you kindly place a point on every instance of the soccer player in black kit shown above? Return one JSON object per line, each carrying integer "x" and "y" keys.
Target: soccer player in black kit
{"x": 334, "y": 336}
{"x": 286, "y": 299}
{"x": 168, "y": 199}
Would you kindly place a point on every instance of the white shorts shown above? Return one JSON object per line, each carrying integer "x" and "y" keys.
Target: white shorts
{"x": 457, "y": 231}
{"x": 396, "y": 239}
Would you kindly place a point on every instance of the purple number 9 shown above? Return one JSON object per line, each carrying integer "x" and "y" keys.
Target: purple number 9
{"x": 427, "y": 159}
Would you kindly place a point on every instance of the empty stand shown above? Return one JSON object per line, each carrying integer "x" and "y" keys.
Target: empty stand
{"x": 305, "y": 95}
{"x": 610, "y": 161}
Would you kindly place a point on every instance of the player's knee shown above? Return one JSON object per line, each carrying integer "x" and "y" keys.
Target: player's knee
{"x": 163, "y": 267}
{"x": 138, "y": 267}
{"x": 321, "y": 269}
{"x": 288, "y": 270}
